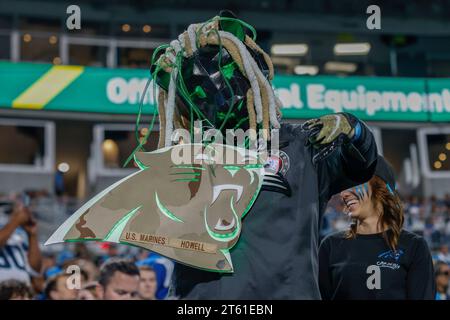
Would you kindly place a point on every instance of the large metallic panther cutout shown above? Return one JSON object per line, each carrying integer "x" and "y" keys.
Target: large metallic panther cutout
{"x": 190, "y": 211}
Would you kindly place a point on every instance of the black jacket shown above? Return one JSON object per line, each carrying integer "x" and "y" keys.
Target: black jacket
{"x": 276, "y": 256}
{"x": 348, "y": 265}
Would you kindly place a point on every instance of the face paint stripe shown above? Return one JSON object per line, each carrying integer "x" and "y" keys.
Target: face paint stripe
{"x": 358, "y": 195}
{"x": 389, "y": 188}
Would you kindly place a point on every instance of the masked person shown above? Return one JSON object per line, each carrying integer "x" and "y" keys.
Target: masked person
{"x": 375, "y": 258}
{"x": 216, "y": 74}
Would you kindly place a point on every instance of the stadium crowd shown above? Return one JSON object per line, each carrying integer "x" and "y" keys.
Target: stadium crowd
{"x": 93, "y": 270}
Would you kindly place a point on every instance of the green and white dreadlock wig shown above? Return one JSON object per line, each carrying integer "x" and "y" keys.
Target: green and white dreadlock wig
{"x": 209, "y": 73}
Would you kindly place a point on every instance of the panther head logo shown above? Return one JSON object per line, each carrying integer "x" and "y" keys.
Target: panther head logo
{"x": 390, "y": 254}
{"x": 186, "y": 202}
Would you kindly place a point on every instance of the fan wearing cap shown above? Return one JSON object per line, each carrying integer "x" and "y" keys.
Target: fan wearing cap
{"x": 375, "y": 258}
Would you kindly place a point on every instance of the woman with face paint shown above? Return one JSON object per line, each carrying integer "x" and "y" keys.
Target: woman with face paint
{"x": 375, "y": 258}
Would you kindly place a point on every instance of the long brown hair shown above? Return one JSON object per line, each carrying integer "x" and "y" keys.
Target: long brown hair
{"x": 391, "y": 208}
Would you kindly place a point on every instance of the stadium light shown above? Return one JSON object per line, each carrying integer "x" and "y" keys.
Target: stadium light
{"x": 437, "y": 164}
{"x": 442, "y": 156}
{"x": 299, "y": 49}
{"x": 309, "y": 70}
{"x": 53, "y": 39}
{"x": 349, "y": 49}
{"x": 447, "y": 146}
{"x": 63, "y": 167}
{"x": 108, "y": 145}
{"x": 146, "y": 28}
{"x": 27, "y": 37}
{"x": 126, "y": 27}
{"x": 335, "y": 66}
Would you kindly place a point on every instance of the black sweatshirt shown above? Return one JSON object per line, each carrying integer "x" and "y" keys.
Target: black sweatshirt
{"x": 276, "y": 256}
{"x": 366, "y": 268}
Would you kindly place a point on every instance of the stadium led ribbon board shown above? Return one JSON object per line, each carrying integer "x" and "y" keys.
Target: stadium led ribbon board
{"x": 185, "y": 203}
{"x": 101, "y": 90}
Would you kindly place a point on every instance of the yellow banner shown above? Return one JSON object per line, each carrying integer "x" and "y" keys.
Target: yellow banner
{"x": 47, "y": 87}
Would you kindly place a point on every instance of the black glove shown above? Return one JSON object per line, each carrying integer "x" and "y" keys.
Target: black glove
{"x": 326, "y": 129}
{"x": 329, "y": 132}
